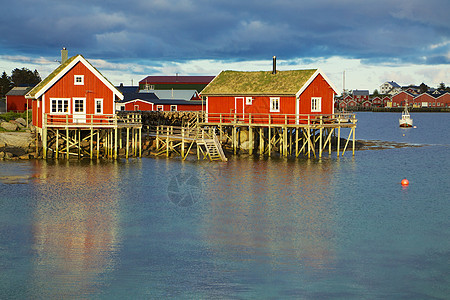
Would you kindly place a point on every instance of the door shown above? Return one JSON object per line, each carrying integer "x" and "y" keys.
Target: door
{"x": 239, "y": 108}
{"x": 79, "y": 110}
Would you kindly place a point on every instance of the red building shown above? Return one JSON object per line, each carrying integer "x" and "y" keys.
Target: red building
{"x": 377, "y": 102}
{"x": 163, "y": 105}
{"x": 75, "y": 92}
{"x": 16, "y": 101}
{"x": 282, "y": 95}
{"x": 400, "y": 99}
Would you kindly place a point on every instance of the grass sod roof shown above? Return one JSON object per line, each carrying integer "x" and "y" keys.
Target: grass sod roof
{"x": 258, "y": 83}
{"x": 47, "y": 79}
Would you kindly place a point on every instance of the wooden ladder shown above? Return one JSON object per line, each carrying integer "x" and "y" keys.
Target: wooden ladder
{"x": 213, "y": 147}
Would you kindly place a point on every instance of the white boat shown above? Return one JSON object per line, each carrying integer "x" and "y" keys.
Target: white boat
{"x": 405, "y": 120}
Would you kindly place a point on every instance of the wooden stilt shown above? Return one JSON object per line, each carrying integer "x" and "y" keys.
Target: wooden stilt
{"x": 57, "y": 144}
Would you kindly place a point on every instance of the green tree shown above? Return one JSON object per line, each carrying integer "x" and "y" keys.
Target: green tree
{"x": 375, "y": 92}
{"x": 25, "y": 77}
{"x": 423, "y": 88}
{"x": 441, "y": 86}
{"x": 5, "y": 84}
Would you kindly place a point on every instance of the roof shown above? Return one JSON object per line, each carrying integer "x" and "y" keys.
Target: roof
{"x": 130, "y": 96}
{"x": 61, "y": 70}
{"x": 165, "y": 101}
{"x": 361, "y": 92}
{"x": 261, "y": 82}
{"x": 175, "y": 94}
{"x": 19, "y": 91}
{"x": 177, "y": 79}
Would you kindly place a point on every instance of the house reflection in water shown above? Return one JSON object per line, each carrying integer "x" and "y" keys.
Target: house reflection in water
{"x": 260, "y": 220}
{"x": 75, "y": 230}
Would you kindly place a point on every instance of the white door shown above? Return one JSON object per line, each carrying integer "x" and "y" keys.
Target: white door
{"x": 79, "y": 110}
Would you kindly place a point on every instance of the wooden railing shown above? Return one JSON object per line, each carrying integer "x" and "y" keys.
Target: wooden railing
{"x": 92, "y": 120}
{"x": 286, "y": 119}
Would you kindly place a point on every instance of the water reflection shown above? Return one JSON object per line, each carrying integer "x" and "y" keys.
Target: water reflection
{"x": 75, "y": 229}
{"x": 281, "y": 213}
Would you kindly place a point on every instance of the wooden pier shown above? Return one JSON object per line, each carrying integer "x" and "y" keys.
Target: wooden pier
{"x": 263, "y": 134}
{"x": 91, "y": 136}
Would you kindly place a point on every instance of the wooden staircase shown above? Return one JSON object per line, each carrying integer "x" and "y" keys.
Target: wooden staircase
{"x": 212, "y": 145}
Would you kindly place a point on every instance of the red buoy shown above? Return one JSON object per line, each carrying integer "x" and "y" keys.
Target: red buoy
{"x": 405, "y": 182}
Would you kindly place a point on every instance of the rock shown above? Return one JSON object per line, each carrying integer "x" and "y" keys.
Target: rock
{"x": 8, "y": 155}
{"x": 9, "y": 126}
{"x": 21, "y": 121}
{"x": 2, "y": 155}
{"x": 16, "y": 139}
{"x": 25, "y": 156}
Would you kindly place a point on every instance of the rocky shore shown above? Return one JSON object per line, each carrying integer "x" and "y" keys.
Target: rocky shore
{"x": 17, "y": 140}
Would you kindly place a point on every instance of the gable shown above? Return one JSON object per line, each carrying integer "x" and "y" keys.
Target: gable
{"x": 62, "y": 70}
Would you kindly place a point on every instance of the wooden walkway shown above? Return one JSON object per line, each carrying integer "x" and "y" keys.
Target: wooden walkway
{"x": 288, "y": 135}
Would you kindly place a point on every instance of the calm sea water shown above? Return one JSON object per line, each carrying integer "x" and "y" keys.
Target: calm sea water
{"x": 334, "y": 228}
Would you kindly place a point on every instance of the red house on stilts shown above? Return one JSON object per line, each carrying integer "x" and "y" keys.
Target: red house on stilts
{"x": 75, "y": 91}
{"x": 287, "y": 97}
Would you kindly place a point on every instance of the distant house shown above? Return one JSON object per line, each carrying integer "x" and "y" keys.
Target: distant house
{"x": 377, "y": 102}
{"x": 16, "y": 101}
{"x": 169, "y": 83}
{"x": 360, "y": 96}
{"x": 279, "y": 94}
{"x": 390, "y": 87}
{"x": 401, "y": 98}
{"x": 74, "y": 91}
{"x": 150, "y": 102}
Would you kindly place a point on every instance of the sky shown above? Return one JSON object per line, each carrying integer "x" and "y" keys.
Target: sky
{"x": 357, "y": 44}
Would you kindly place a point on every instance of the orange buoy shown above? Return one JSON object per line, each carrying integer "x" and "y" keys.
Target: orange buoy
{"x": 405, "y": 182}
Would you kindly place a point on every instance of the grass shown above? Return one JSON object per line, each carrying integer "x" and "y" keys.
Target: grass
{"x": 14, "y": 115}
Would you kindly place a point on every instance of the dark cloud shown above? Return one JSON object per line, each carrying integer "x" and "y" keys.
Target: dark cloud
{"x": 181, "y": 30}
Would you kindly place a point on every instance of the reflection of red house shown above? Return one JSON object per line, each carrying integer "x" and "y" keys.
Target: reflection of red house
{"x": 75, "y": 91}
{"x": 282, "y": 95}
{"x": 400, "y": 99}
{"x": 15, "y": 99}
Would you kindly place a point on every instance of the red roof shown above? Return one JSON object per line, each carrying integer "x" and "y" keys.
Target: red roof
{"x": 177, "y": 79}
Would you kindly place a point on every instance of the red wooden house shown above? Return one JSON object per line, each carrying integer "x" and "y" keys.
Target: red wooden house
{"x": 282, "y": 95}
{"x": 75, "y": 92}
{"x": 400, "y": 99}
{"x": 15, "y": 99}
{"x": 377, "y": 102}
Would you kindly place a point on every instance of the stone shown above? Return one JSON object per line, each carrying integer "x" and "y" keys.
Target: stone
{"x": 25, "y": 156}
{"x": 16, "y": 139}
{"x": 2, "y": 155}
{"x": 9, "y": 126}
{"x": 21, "y": 121}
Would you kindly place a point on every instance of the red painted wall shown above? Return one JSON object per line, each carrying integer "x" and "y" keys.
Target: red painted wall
{"x": 146, "y": 106}
{"x": 17, "y": 103}
{"x": 227, "y": 106}
{"x": 93, "y": 88}
{"x": 399, "y": 99}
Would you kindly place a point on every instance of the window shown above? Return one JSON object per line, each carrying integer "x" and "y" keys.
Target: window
{"x": 159, "y": 107}
{"x": 316, "y": 104}
{"x": 274, "y": 104}
{"x": 148, "y": 87}
{"x": 173, "y": 108}
{"x": 248, "y": 100}
{"x": 99, "y": 106}
{"x": 136, "y": 107}
{"x": 78, "y": 105}
{"x": 59, "y": 106}
{"x": 79, "y": 80}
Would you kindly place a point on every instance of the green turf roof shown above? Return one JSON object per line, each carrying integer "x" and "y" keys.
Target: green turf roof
{"x": 52, "y": 75}
{"x": 258, "y": 83}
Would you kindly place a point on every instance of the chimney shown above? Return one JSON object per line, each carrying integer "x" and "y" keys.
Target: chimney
{"x": 64, "y": 55}
{"x": 274, "y": 69}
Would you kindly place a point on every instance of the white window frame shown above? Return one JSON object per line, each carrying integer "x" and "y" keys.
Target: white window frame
{"x": 74, "y": 106}
{"x": 59, "y": 101}
{"x": 316, "y": 104}
{"x": 96, "y": 101}
{"x": 173, "y": 107}
{"x": 275, "y": 104}
{"x": 78, "y": 79}
{"x": 158, "y": 107}
{"x": 136, "y": 107}
{"x": 248, "y": 100}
